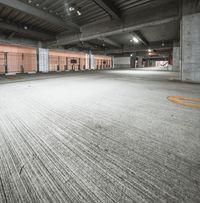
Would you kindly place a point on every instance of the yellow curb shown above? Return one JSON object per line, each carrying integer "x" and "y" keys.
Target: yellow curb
{"x": 183, "y": 101}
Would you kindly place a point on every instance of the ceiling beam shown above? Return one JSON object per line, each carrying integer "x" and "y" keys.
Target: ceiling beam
{"x": 110, "y": 42}
{"x": 161, "y": 16}
{"x": 128, "y": 49}
{"x": 109, "y": 8}
{"x": 26, "y": 8}
{"x": 18, "y": 41}
{"x": 93, "y": 46}
{"x": 80, "y": 37}
{"x": 11, "y": 35}
{"x": 35, "y": 34}
{"x": 141, "y": 38}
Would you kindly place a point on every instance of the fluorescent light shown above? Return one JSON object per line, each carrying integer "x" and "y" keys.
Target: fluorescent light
{"x": 135, "y": 40}
{"x": 79, "y": 13}
{"x": 71, "y": 8}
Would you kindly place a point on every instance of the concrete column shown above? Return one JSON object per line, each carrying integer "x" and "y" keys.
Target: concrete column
{"x": 153, "y": 63}
{"x": 148, "y": 63}
{"x": 176, "y": 57}
{"x": 190, "y": 41}
{"x": 140, "y": 62}
{"x": 39, "y": 45}
{"x": 90, "y": 60}
{"x": 43, "y": 60}
{"x": 113, "y": 62}
{"x": 132, "y": 61}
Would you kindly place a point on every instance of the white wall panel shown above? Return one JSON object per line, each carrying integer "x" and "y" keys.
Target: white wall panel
{"x": 43, "y": 60}
{"x": 122, "y": 62}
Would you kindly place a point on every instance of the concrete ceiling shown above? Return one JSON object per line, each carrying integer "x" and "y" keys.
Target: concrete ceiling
{"x": 103, "y": 25}
{"x": 165, "y": 32}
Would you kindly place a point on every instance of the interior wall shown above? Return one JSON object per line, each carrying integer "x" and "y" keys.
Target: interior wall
{"x": 18, "y": 59}
{"x": 62, "y": 60}
{"x": 122, "y": 62}
{"x": 102, "y": 62}
{"x": 2, "y": 62}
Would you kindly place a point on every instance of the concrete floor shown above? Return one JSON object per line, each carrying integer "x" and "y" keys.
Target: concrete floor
{"x": 107, "y": 136}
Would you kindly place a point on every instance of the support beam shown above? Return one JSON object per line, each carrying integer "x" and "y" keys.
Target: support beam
{"x": 39, "y": 35}
{"x": 142, "y": 48}
{"x": 190, "y": 47}
{"x": 176, "y": 56}
{"x": 141, "y": 37}
{"x": 11, "y": 35}
{"x": 109, "y": 41}
{"x": 18, "y": 41}
{"x": 19, "y": 5}
{"x": 109, "y": 8}
{"x": 161, "y": 16}
{"x": 69, "y": 39}
{"x": 140, "y": 62}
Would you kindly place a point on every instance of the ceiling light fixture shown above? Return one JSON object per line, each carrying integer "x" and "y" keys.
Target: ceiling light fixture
{"x": 25, "y": 28}
{"x": 79, "y": 13}
{"x": 71, "y": 8}
{"x": 163, "y": 44}
{"x": 135, "y": 40}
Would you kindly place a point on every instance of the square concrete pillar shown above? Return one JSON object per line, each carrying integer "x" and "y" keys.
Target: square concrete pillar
{"x": 132, "y": 61}
{"x": 190, "y": 41}
{"x": 176, "y": 58}
{"x": 140, "y": 62}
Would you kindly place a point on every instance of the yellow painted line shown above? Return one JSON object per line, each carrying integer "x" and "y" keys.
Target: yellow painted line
{"x": 183, "y": 101}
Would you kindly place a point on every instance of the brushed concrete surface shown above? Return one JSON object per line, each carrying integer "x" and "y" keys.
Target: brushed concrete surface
{"x": 107, "y": 136}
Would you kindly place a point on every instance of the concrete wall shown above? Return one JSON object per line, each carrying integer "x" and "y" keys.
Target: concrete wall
{"x": 122, "y": 62}
{"x": 191, "y": 48}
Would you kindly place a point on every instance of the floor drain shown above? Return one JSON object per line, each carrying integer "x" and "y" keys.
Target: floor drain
{"x": 192, "y": 102}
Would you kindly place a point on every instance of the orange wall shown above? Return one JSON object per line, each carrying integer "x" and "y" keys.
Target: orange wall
{"x": 18, "y": 56}
{"x": 26, "y": 57}
{"x": 102, "y": 62}
{"x": 2, "y": 62}
{"x": 63, "y": 58}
